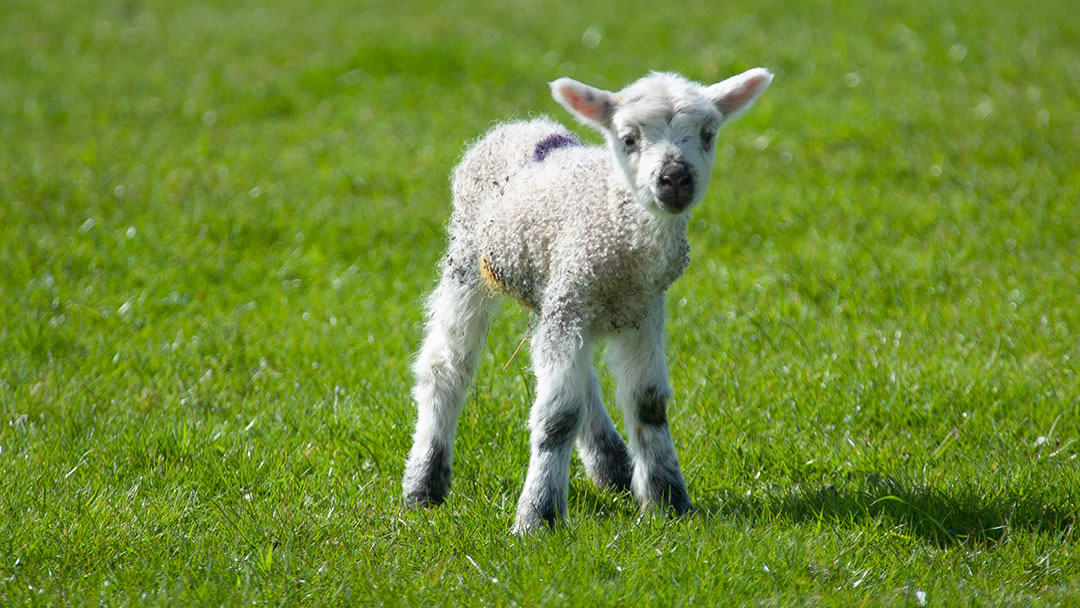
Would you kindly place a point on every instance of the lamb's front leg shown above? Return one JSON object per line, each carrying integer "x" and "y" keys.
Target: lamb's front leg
{"x": 637, "y": 361}
{"x": 563, "y": 375}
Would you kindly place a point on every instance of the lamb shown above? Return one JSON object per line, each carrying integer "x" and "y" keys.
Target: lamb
{"x": 590, "y": 239}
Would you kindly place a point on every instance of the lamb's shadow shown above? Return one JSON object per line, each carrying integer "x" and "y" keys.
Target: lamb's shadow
{"x": 939, "y": 516}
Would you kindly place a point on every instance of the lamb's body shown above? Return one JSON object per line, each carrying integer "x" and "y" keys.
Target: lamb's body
{"x": 590, "y": 238}
{"x": 563, "y": 231}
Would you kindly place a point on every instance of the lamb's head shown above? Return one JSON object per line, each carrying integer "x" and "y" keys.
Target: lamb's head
{"x": 662, "y": 129}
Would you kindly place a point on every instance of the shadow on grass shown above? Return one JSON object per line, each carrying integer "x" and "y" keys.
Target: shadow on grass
{"x": 964, "y": 514}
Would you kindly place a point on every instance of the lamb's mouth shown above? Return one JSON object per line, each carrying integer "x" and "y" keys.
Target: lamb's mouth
{"x": 673, "y": 206}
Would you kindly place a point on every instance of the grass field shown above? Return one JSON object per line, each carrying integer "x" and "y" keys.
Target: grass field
{"x": 218, "y": 221}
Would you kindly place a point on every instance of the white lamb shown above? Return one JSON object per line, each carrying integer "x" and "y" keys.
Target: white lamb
{"x": 590, "y": 239}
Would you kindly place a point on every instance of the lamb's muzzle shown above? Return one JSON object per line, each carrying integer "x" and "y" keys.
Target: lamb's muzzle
{"x": 675, "y": 186}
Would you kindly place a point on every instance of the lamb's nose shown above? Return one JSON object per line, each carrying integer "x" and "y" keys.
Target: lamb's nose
{"x": 678, "y": 178}
{"x": 675, "y": 186}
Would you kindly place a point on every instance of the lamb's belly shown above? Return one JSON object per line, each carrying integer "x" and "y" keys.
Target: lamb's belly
{"x": 515, "y": 252}
{"x": 510, "y": 264}
{"x": 516, "y": 280}
{"x": 621, "y": 311}
{"x": 600, "y": 307}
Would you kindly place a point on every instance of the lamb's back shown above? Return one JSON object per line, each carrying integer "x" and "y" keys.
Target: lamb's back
{"x": 496, "y": 157}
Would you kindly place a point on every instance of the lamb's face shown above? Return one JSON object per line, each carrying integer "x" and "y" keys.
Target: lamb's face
{"x": 663, "y": 134}
{"x": 662, "y": 130}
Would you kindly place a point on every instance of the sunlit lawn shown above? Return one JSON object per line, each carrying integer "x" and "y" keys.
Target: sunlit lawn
{"x": 219, "y": 221}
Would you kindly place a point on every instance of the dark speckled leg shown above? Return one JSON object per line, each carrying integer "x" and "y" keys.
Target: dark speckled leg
{"x": 637, "y": 360}
{"x": 602, "y": 450}
{"x": 431, "y": 482}
{"x": 563, "y": 373}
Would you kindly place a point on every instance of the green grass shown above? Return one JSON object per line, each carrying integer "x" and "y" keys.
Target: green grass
{"x": 219, "y": 221}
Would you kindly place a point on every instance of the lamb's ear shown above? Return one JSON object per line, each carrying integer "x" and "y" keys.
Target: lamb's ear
{"x": 736, "y": 94}
{"x": 590, "y": 105}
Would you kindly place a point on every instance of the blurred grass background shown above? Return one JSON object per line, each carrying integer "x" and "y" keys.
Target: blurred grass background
{"x": 219, "y": 220}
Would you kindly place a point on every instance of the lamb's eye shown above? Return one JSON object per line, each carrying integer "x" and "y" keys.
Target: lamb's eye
{"x": 707, "y": 136}
{"x": 630, "y": 141}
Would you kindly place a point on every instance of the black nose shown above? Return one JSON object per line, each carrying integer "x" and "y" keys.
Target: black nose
{"x": 675, "y": 185}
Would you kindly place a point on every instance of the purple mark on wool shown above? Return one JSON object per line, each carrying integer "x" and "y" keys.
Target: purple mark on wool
{"x": 551, "y": 143}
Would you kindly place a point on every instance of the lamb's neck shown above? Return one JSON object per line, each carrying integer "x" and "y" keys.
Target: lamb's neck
{"x": 659, "y": 227}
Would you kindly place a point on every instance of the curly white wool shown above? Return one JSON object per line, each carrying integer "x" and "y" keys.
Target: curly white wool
{"x": 562, "y": 232}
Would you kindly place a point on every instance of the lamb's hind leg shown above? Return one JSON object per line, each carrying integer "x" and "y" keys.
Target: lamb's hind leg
{"x": 601, "y": 448}
{"x": 457, "y": 324}
{"x": 637, "y": 359}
